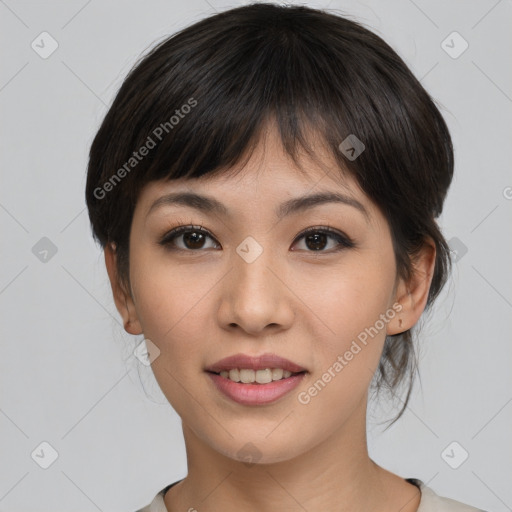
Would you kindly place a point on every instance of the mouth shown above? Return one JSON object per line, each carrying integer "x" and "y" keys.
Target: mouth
{"x": 255, "y": 380}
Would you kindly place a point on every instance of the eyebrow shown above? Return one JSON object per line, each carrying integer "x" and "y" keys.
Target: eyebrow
{"x": 208, "y": 204}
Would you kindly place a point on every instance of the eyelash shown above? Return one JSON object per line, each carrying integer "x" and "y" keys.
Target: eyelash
{"x": 344, "y": 241}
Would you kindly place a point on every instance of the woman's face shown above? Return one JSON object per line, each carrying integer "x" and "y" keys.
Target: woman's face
{"x": 254, "y": 285}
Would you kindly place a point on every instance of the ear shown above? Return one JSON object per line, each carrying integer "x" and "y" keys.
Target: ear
{"x": 413, "y": 294}
{"x": 122, "y": 297}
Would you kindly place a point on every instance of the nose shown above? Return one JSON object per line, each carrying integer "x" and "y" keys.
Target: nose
{"x": 255, "y": 296}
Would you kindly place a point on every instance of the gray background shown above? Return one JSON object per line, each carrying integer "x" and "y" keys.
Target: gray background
{"x": 67, "y": 374}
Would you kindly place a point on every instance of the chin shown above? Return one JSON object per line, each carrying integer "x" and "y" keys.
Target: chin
{"x": 258, "y": 451}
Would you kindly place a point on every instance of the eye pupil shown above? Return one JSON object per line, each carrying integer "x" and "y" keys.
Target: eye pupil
{"x": 319, "y": 240}
{"x": 196, "y": 239}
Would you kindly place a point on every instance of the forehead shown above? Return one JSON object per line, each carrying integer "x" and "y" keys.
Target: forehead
{"x": 269, "y": 168}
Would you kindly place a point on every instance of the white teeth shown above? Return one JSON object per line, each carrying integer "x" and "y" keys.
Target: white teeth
{"x": 234, "y": 374}
{"x": 277, "y": 373}
{"x": 260, "y": 376}
{"x": 247, "y": 376}
{"x": 264, "y": 376}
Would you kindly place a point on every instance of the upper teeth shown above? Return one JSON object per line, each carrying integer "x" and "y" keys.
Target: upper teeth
{"x": 259, "y": 376}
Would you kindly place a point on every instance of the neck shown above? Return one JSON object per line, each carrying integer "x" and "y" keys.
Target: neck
{"x": 335, "y": 475}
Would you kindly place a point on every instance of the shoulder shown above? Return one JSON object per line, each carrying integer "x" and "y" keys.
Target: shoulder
{"x": 432, "y": 502}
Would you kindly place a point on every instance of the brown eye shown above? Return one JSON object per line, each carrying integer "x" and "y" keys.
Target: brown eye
{"x": 316, "y": 239}
{"x": 191, "y": 238}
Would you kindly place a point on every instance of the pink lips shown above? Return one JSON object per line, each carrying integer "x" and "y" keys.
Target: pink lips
{"x": 255, "y": 394}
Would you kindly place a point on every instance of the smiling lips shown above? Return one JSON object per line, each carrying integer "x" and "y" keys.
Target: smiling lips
{"x": 255, "y": 380}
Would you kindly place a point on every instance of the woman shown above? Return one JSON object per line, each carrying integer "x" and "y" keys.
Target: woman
{"x": 265, "y": 188}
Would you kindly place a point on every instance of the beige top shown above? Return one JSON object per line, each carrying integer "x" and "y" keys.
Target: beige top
{"x": 430, "y": 501}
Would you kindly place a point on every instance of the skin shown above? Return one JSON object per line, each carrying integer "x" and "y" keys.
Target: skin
{"x": 200, "y": 305}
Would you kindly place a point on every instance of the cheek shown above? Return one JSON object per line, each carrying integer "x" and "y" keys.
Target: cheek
{"x": 174, "y": 306}
{"x": 349, "y": 300}
{"x": 350, "y": 335}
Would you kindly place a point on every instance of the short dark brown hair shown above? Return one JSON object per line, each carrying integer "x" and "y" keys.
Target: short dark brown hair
{"x": 213, "y": 87}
